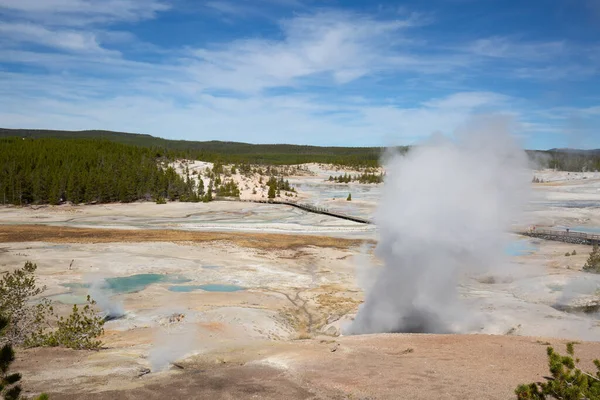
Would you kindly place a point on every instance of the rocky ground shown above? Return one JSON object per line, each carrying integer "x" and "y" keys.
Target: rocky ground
{"x": 399, "y": 366}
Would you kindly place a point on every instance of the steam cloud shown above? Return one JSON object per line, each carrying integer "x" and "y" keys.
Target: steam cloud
{"x": 170, "y": 346}
{"x": 445, "y": 209}
{"x": 100, "y": 292}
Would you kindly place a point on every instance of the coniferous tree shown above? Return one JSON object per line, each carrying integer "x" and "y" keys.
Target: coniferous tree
{"x": 568, "y": 381}
{"x": 9, "y": 382}
{"x": 593, "y": 262}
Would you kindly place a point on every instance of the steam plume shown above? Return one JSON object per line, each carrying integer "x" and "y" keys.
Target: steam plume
{"x": 445, "y": 209}
{"x": 100, "y": 292}
{"x": 170, "y": 346}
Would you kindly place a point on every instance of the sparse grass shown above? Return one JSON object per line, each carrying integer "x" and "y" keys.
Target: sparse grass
{"x": 297, "y": 319}
{"x": 333, "y": 306}
{"x": 265, "y": 241}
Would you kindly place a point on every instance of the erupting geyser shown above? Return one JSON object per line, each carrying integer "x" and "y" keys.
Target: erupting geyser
{"x": 446, "y": 209}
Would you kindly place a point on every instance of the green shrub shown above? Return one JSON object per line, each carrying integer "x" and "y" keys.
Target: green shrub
{"x": 33, "y": 321}
{"x": 567, "y": 254}
{"x": 78, "y": 331}
{"x": 593, "y": 262}
{"x": 574, "y": 253}
{"x": 17, "y": 290}
{"x": 568, "y": 381}
{"x": 161, "y": 200}
{"x": 349, "y": 198}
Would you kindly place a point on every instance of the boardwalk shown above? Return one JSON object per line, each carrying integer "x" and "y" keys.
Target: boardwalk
{"x": 306, "y": 207}
{"x": 563, "y": 236}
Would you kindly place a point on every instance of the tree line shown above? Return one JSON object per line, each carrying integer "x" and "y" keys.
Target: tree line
{"x": 218, "y": 151}
{"x": 363, "y": 178}
{"x": 51, "y": 171}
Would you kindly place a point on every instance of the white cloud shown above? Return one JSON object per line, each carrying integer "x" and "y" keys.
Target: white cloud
{"x": 513, "y": 57}
{"x": 570, "y": 72}
{"x": 61, "y": 39}
{"x": 339, "y": 45}
{"x": 591, "y": 110}
{"x": 468, "y": 101}
{"x": 82, "y": 12}
{"x": 505, "y": 47}
{"x": 249, "y": 8}
{"x": 304, "y": 119}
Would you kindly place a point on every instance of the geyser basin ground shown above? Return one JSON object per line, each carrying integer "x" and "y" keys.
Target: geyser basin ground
{"x": 214, "y": 287}
{"x": 248, "y": 339}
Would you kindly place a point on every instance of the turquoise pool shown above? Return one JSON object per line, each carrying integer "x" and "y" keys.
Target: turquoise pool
{"x": 130, "y": 284}
{"x": 520, "y": 247}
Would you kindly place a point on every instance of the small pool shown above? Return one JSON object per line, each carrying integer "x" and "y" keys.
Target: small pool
{"x": 206, "y": 288}
{"x": 139, "y": 282}
{"x": 127, "y": 284}
{"x": 520, "y": 248}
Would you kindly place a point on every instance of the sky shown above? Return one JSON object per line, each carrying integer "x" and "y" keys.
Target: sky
{"x": 329, "y": 72}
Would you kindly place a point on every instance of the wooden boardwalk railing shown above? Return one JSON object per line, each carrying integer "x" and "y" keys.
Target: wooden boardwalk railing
{"x": 563, "y": 236}
{"x": 305, "y": 207}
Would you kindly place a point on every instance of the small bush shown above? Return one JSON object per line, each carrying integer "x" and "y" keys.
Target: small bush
{"x": 161, "y": 200}
{"x": 574, "y": 253}
{"x": 33, "y": 321}
{"x": 349, "y": 198}
{"x": 567, "y": 254}
{"x": 78, "y": 331}
{"x": 568, "y": 381}
{"x": 593, "y": 262}
{"x": 17, "y": 289}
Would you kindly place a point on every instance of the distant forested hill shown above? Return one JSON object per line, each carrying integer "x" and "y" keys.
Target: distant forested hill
{"x": 280, "y": 154}
{"x": 226, "y": 152}
{"x": 567, "y": 159}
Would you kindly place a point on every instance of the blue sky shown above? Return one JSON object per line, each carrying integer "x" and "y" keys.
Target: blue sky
{"x": 303, "y": 71}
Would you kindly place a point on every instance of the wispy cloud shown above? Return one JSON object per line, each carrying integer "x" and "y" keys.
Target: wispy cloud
{"x": 250, "y": 8}
{"x": 69, "y": 40}
{"x": 568, "y": 72}
{"x": 339, "y": 45}
{"x": 82, "y": 12}
{"x": 517, "y": 49}
{"x": 296, "y": 118}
